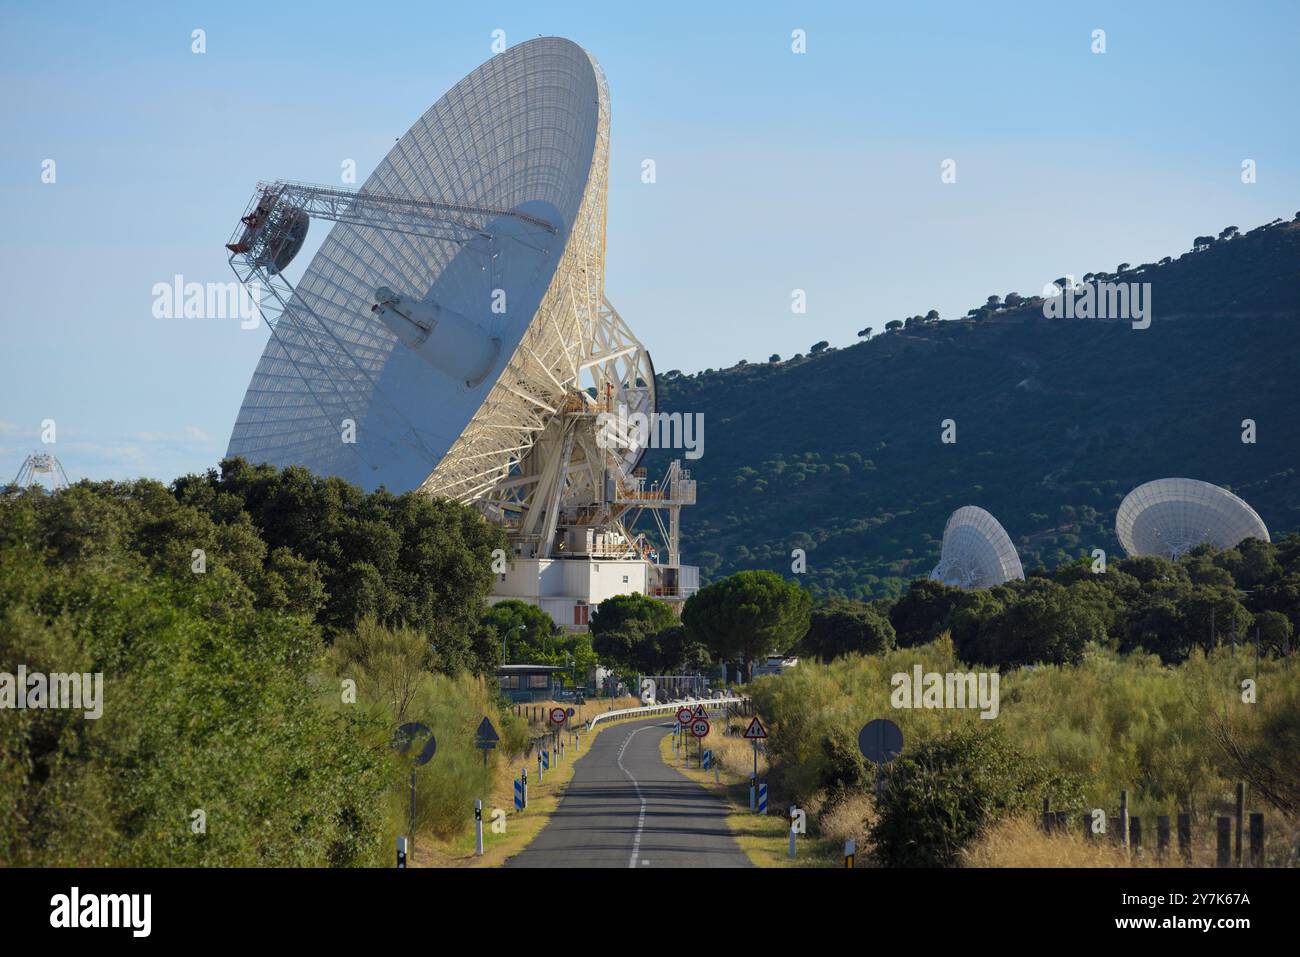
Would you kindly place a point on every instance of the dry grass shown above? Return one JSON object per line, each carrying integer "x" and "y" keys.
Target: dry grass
{"x": 850, "y": 817}
{"x": 1020, "y": 842}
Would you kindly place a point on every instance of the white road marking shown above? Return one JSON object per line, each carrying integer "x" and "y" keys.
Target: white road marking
{"x": 640, "y": 821}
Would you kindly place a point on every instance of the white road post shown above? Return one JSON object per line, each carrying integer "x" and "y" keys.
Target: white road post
{"x": 792, "y": 817}
{"x": 478, "y": 829}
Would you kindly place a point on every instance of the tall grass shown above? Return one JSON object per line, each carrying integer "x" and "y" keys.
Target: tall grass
{"x": 389, "y": 668}
{"x": 1115, "y": 722}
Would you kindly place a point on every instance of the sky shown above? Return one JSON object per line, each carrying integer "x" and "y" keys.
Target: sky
{"x": 775, "y": 171}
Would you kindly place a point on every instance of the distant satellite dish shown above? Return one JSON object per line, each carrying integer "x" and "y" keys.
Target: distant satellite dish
{"x": 454, "y": 319}
{"x": 1170, "y": 517}
{"x": 41, "y": 464}
{"x": 977, "y": 552}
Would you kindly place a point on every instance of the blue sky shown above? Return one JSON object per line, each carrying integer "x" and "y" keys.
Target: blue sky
{"x": 776, "y": 171}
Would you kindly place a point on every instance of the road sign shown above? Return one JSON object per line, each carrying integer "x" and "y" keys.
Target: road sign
{"x": 684, "y": 716}
{"x": 546, "y": 760}
{"x": 558, "y": 716}
{"x": 519, "y": 794}
{"x": 570, "y": 712}
{"x": 707, "y": 760}
{"x": 486, "y": 737}
{"x": 762, "y": 797}
{"x": 406, "y": 735}
{"x": 880, "y": 741}
{"x": 756, "y": 731}
{"x": 700, "y": 727}
{"x": 700, "y": 712}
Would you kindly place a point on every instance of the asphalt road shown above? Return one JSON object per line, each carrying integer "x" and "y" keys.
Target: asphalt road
{"x": 625, "y": 808}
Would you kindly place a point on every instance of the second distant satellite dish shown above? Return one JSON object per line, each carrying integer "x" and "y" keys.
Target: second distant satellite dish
{"x": 977, "y": 552}
{"x": 1170, "y": 517}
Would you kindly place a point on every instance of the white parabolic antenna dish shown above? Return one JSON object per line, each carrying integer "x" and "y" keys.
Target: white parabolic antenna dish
{"x": 1172, "y": 516}
{"x": 455, "y": 312}
{"x": 977, "y": 552}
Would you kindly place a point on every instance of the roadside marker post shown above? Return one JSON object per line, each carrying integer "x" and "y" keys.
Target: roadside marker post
{"x": 524, "y": 775}
{"x": 519, "y": 794}
{"x": 762, "y": 797}
{"x": 756, "y": 733}
{"x": 478, "y": 827}
{"x": 401, "y": 853}
{"x": 850, "y": 850}
{"x": 794, "y": 816}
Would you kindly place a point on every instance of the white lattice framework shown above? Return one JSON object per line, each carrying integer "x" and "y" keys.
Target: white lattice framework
{"x": 568, "y": 331}
{"x": 1170, "y": 517}
{"x": 41, "y": 463}
{"x": 977, "y": 551}
{"x": 526, "y": 135}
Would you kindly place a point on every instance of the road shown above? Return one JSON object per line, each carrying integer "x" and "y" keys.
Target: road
{"x": 625, "y": 808}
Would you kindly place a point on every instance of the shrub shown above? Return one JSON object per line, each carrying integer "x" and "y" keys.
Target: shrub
{"x": 939, "y": 797}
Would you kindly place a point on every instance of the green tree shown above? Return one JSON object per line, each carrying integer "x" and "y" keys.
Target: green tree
{"x": 841, "y": 627}
{"x": 747, "y": 616}
{"x": 525, "y": 630}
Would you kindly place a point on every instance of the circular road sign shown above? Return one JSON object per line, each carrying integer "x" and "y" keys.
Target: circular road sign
{"x": 700, "y": 727}
{"x": 683, "y": 715}
{"x": 558, "y": 716}
{"x": 570, "y": 712}
{"x": 880, "y": 741}
{"x": 406, "y": 736}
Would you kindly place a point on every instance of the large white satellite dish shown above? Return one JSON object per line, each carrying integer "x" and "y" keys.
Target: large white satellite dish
{"x": 1172, "y": 516}
{"x": 454, "y": 325}
{"x": 977, "y": 552}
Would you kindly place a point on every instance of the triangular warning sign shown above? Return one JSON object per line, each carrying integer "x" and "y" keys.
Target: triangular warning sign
{"x": 755, "y": 731}
{"x": 486, "y": 732}
{"x": 700, "y": 712}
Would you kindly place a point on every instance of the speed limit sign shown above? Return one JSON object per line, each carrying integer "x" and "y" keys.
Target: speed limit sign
{"x": 683, "y": 716}
{"x": 558, "y": 716}
{"x": 700, "y": 727}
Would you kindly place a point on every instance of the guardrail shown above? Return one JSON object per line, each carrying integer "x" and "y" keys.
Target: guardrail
{"x": 654, "y": 709}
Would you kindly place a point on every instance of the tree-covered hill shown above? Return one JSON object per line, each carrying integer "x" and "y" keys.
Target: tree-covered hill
{"x": 839, "y": 453}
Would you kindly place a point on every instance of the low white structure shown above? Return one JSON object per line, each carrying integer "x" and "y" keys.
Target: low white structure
{"x": 568, "y": 588}
{"x": 775, "y": 665}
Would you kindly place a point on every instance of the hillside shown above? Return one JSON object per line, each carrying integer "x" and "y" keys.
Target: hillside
{"x": 839, "y": 453}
